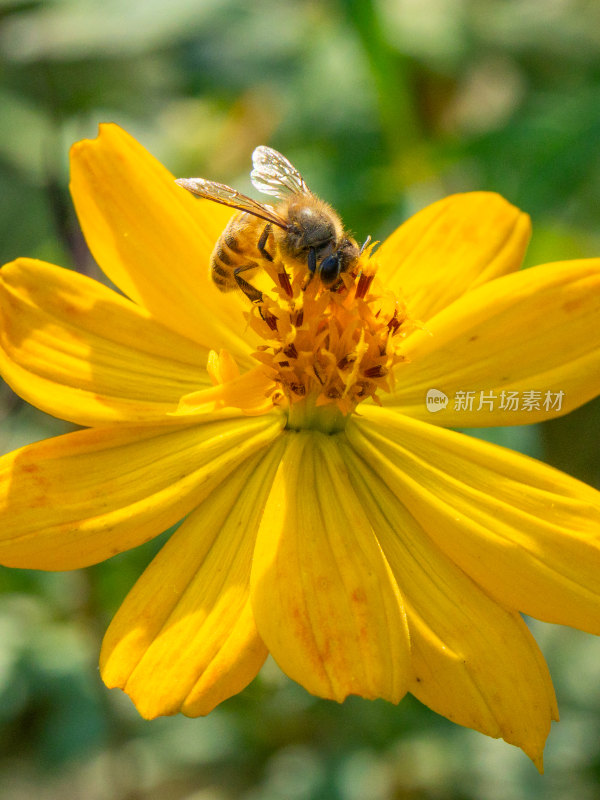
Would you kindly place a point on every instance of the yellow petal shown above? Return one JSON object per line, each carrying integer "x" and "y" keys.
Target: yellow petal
{"x": 528, "y": 534}
{"x": 535, "y": 334}
{"x": 325, "y": 602}
{"x": 185, "y": 638}
{"x": 83, "y": 497}
{"x": 250, "y": 392}
{"x": 450, "y": 247}
{"x": 153, "y": 239}
{"x": 80, "y": 351}
{"x": 474, "y": 662}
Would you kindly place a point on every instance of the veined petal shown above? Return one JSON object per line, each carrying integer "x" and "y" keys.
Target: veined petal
{"x": 450, "y": 247}
{"x": 324, "y": 599}
{"x": 80, "y": 351}
{"x": 153, "y": 239}
{"x": 527, "y": 533}
{"x": 535, "y": 334}
{"x": 474, "y": 661}
{"x": 193, "y": 601}
{"x": 85, "y": 496}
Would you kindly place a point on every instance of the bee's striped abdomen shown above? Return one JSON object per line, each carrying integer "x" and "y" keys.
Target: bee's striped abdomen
{"x": 231, "y": 252}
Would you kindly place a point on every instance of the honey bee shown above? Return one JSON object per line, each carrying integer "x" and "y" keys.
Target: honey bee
{"x": 302, "y": 228}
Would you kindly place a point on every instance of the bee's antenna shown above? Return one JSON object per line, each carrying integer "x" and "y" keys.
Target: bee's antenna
{"x": 364, "y": 245}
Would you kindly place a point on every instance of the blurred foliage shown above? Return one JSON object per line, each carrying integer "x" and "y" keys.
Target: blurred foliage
{"x": 385, "y": 106}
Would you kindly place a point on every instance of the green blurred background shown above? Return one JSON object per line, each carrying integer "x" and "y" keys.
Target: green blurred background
{"x": 385, "y": 106}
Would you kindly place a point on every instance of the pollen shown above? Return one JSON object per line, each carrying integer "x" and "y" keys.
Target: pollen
{"x": 329, "y": 347}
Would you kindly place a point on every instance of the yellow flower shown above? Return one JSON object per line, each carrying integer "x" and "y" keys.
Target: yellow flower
{"x": 331, "y": 518}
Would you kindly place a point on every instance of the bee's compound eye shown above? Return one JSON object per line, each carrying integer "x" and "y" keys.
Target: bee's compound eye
{"x": 329, "y": 269}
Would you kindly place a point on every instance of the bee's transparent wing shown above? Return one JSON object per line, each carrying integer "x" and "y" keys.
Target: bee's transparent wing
{"x": 220, "y": 193}
{"x": 273, "y": 174}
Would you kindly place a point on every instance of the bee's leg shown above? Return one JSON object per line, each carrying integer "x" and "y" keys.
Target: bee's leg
{"x": 309, "y": 278}
{"x": 262, "y": 242}
{"x": 251, "y": 292}
{"x": 312, "y": 267}
{"x": 284, "y": 278}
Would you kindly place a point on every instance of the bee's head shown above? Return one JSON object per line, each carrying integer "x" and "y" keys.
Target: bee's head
{"x": 332, "y": 266}
{"x": 329, "y": 269}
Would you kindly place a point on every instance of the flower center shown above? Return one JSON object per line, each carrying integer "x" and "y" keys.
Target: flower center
{"x": 327, "y": 349}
